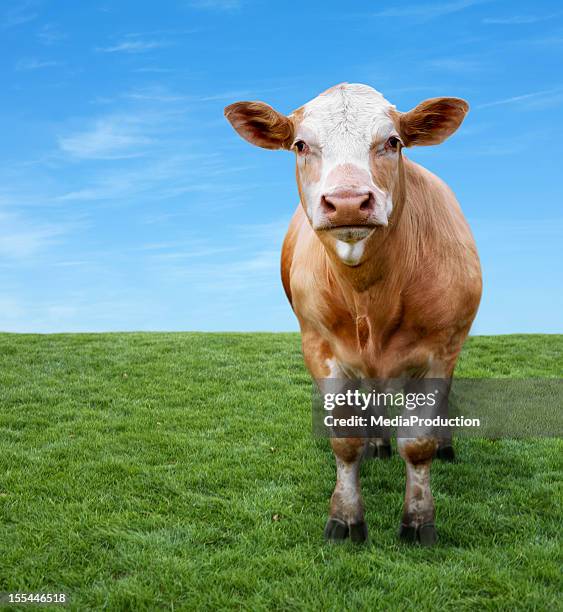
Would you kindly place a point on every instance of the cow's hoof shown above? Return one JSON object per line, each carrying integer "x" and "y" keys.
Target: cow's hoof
{"x": 425, "y": 534}
{"x": 378, "y": 451}
{"x": 446, "y": 453}
{"x": 359, "y": 532}
{"x": 337, "y": 530}
{"x": 407, "y": 533}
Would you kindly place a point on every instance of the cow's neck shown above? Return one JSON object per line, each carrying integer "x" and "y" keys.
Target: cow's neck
{"x": 384, "y": 267}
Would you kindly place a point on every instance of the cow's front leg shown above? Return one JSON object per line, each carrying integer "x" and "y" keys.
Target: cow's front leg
{"x": 346, "y": 505}
{"x": 417, "y": 524}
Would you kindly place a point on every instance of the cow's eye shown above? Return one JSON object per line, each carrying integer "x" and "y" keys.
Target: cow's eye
{"x": 392, "y": 143}
{"x": 301, "y": 147}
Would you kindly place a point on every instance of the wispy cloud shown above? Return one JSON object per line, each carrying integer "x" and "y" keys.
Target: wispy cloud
{"x": 251, "y": 261}
{"x": 452, "y": 64}
{"x": 503, "y": 149}
{"x": 235, "y": 275}
{"x": 238, "y": 94}
{"x": 216, "y": 5}
{"x": 104, "y": 310}
{"x": 154, "y": 69}
{"x": 162, "y": 94}
{"x": 536, "y": 98}
{"x": 17, "y": 15}
{"x": 428, "y": 11}
{"x": 517, "y": 19}
{"x": 226, "y": 95}
{"x": 49, "y": 34}
{"x": 166, "y": 176}
{"x": 35, "y": 64}
{"x": 201, "y": 252}
{"x": 551, "y": 40}
{"x": 112, "y": 137}
{"x": 156, "y": 94}
{"x": 134, "y": 46}
{"x": 22, "y": 239}
{"x": 272, "y": 232}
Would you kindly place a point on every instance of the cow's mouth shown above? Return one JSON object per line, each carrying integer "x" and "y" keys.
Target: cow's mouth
{"x": 351, "y": 233}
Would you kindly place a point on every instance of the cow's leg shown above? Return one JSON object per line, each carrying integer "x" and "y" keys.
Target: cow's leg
{"x": 346, "y": 517}
{"x": 418, "y": 511}
{"x": 417, "y": 446}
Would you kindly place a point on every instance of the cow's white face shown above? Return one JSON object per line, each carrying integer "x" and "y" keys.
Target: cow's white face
{"x": 339, "y": 137}
{"x": 347, "y": 143}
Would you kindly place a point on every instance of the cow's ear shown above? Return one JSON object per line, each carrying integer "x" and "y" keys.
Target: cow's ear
{"x": 431, "y": 122}
{"x": 260, "y": 124}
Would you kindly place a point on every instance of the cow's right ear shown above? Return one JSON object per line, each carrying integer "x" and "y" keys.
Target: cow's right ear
{"x": 260, "y": 124}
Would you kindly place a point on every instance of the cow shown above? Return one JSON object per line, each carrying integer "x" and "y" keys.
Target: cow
{"x": 378, "y": 264}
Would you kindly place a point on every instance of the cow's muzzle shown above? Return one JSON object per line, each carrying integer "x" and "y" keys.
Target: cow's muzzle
{"x": 348, "y": 207}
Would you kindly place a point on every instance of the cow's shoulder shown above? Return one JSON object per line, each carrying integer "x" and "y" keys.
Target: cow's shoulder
{"x": 288, "y": 250}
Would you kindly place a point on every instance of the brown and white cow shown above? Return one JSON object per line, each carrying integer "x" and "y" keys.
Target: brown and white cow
{"x": 378, "y": 264}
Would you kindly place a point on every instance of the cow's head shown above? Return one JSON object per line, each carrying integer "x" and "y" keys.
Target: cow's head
{"x": 348, "y": 142}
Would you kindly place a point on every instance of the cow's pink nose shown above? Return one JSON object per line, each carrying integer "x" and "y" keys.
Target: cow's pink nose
{"x": 348, "y": 207}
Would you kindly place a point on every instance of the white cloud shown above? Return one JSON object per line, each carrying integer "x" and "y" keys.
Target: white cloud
{"x": 133, "y": 46}
{"x": 113, "y": 137}
{"x": 255, "y": 269}
{"x": 20, "y": 239}
{"x": 35, "y": 64}
{"x": 272, "y": 232}
{"x": 216, "y": 5}
{"x": 226, "y": 95}
{"x": 427, "y": 11}
{"x": 80, "y": 311}
{"x": 169, "y": 175}
{"x": 49, "y": 34}
{"x": 155, "y": 94}
{"x": 17, "y": 15}
{"x": 537, "y": 98}
{"x": 154, "y": 69}
{"x": 201, "y": 252}
{"x": 517, "y": 19}
{"x": 251, "y": 260}
{"x": 454, "y": 64}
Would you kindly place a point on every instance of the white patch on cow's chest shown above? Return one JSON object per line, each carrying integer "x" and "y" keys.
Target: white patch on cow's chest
{"x": 338, "y": 369}
{"x": 350, "y": 253}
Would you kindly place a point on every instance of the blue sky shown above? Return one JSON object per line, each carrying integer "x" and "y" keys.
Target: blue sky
{"x": 128, "y": 203}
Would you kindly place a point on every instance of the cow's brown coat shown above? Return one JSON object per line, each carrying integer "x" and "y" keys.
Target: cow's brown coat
{"x": 405, "y": 310}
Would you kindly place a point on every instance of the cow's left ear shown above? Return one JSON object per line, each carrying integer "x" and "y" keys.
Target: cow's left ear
{"x": 260, "y": 124}
{"x": 431, "y": 122}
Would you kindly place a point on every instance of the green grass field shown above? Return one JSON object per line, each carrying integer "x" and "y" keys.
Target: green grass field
{"x": 178, "y": 471}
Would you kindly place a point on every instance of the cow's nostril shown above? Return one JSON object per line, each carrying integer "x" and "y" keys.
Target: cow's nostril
{"x": 329, "y": 207}
{"x": 366, "y": 204}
